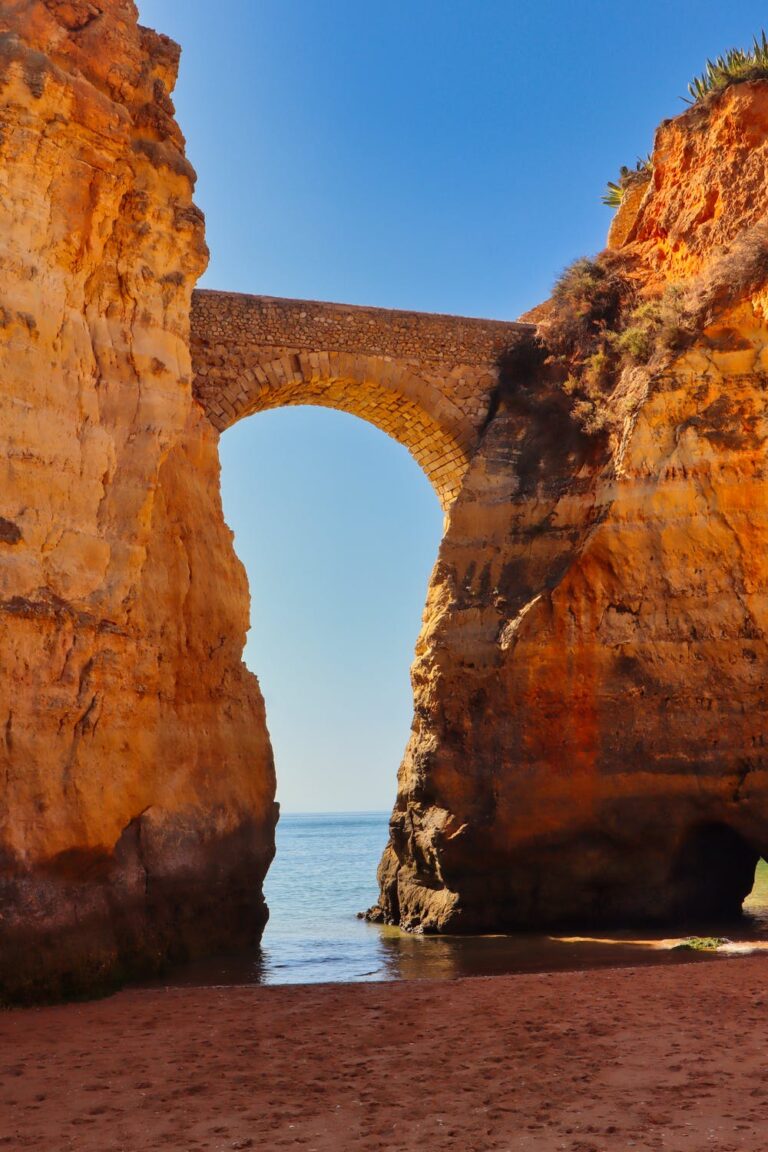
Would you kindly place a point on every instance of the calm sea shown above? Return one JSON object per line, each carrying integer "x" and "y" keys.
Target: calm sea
{"x": 324, "y": 873}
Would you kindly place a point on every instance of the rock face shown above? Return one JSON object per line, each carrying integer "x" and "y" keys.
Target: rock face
{"x": 590, "y": 726}
{"x": 137, "y": 816}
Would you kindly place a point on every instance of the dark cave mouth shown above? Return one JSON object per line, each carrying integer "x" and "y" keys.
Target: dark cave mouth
{"x": 714, "y": 873}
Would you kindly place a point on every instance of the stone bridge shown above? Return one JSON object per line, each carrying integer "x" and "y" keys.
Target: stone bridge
{"x": 426, "y": 380}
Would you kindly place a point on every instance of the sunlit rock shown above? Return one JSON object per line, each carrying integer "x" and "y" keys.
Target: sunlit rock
{"x": 589, "y": 741}
{"x": 136, "y": 775}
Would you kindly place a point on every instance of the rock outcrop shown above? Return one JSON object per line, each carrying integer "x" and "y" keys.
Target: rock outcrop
{"x": 137, "y": 815}
{"x": 590, "y": 729}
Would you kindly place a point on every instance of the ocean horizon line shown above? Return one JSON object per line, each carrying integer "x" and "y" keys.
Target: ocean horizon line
{"x": 337, "y": 812}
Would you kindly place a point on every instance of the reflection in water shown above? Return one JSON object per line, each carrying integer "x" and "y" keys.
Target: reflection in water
{"x": 324, "y": 872}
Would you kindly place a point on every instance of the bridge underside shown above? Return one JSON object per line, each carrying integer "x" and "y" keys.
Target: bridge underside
{"x": 363, "y": 387}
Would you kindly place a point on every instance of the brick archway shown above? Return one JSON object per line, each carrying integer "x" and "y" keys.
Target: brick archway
{"x": 425, "y": 380}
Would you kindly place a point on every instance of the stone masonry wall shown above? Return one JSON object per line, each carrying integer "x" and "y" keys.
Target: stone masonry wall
{"x": 429, "y": 337}
{"x": 426, "y": 380}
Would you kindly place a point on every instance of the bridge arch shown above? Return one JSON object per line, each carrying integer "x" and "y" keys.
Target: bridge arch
{"x": 425, "y": 380}
{"x": 398, "y": 402}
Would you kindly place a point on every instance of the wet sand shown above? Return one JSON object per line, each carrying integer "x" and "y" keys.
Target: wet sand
{"x": 670, "y": 1057}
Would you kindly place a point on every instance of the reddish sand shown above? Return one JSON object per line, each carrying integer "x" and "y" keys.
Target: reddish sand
{"x": 648, "y": 1058}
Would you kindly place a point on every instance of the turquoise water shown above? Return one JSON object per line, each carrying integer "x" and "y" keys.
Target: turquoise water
{"x": 324, "y": 873}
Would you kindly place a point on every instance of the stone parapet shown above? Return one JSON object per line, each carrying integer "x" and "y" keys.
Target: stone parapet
{"x": 428, "y": 337}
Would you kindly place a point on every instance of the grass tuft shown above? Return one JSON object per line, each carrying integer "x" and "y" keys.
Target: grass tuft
{"x": 653, "y": 327}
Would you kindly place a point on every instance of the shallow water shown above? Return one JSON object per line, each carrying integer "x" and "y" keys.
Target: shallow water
{"x": 325, "y": 872}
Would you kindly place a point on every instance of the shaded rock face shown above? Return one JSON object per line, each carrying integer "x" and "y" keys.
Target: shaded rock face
{"x": 589, "y": 741}
{"x": 137, "y": 816}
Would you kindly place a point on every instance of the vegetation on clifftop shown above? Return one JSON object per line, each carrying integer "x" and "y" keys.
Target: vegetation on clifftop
{"x": 736, "y": 67}
{"x": 600, "y": 325}
{"x": 611, "y": 325}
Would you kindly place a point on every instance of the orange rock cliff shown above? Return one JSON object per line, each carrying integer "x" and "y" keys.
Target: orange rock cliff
{"x": 590, "y": 726}
{"x": 590, "y": 718}
{"x": 137, "y": 815}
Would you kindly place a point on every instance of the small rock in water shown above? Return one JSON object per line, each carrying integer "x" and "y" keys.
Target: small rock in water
{"x": 702, "y": 943}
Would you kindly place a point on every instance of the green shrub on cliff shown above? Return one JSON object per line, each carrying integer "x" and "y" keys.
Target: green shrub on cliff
{"x": 597, "y": 325}
{"x": 597, "y": 329}
{"x": 735, "y": 67}
{"x": 652, "y": 327}
{"x": 587, "y": 301}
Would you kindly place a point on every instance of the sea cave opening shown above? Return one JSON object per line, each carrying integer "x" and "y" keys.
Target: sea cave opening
{"x": 338, "y": 529}
{"x": 718, "y": 874}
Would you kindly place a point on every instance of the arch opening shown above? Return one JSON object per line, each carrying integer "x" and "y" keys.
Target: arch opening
{"x": 338, "y": 531}
{"x": 714, "y": 872}
{"x": 403, "y": 409}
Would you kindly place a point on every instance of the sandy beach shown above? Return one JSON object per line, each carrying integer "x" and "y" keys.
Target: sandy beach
{"x": 668, "y": 1057}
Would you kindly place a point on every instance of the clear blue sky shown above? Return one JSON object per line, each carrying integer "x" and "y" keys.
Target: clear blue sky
{"x": 429, "y": 154}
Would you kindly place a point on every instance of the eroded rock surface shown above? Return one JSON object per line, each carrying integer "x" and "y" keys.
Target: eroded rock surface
{"x": 137, "y": 811}
{"x": 590, "y": 729}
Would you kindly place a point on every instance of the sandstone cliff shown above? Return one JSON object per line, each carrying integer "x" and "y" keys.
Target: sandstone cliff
{"x": 137, "y": 813}
{"x": 590, "y": 726}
